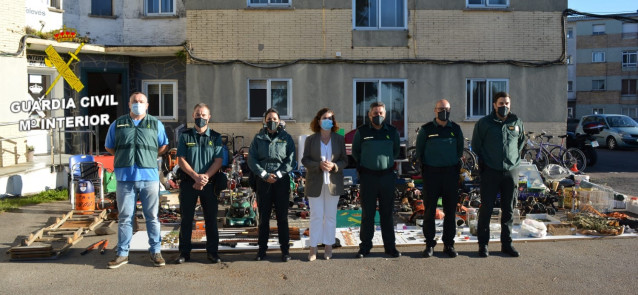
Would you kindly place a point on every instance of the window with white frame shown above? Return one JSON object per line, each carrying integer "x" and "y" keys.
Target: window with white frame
{"x": 162, "y": 98}
{"x": 570, "y": 112}
{"x": 392, "y": 92}
{"x": 628, "y": 87}
{"x": 597, "y": 111}
{"x": 269, "y": 93}
{"x": 630, "y": 112}
{"x": 570, "y": 86}
{"x": 260, "y": 3}
{"x": 487, "y": 3}
{"x": 380, "y": 14}
{"x": 102, "y": 7}
{"x": 160, "y": 7}
{"x": 570, "y": 33}
{"x": 629, "y": 31}
{"x": 597, "y": 85}
{"x": 598, "y": 56}
{"x": 629, "y": 58}
{"x": 480, "y": 93}
{"x": 57, "y": 4}
{"x": 598, "y": 29}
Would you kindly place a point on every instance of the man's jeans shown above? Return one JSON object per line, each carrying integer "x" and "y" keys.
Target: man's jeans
{"x": 127, "y": 193}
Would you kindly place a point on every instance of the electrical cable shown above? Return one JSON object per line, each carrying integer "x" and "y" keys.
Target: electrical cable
{"x": 21, "y": 46}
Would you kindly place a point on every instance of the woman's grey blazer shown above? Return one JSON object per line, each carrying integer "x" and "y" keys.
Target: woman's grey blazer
{"x": 314, "y": 174}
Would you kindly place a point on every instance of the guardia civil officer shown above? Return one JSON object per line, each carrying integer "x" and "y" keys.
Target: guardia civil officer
{"x": 270, "y": 158}
{"x": 199, "y": 155}
{"x": 498, "y": 139}
{"x": 439, "y": 147}
{"x": 374, "y": 148}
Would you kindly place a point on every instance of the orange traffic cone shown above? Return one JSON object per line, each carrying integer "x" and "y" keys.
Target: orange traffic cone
{"x": 574, "y": 168}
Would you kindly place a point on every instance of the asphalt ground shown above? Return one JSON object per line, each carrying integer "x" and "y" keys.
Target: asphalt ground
{"x": 593, "y": 266}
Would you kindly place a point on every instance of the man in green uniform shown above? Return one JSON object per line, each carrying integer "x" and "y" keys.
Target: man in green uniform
{"x": 374, "y": 148}
{"x": 498, "y": 140}
{"x": 439, "y": 147}
{"x": 199, "y": 155}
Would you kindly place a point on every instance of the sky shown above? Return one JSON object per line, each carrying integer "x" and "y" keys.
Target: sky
{"x": 603, "y": 6}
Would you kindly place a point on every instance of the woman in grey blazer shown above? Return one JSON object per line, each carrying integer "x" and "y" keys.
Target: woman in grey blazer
{"x": 325, "y": 158}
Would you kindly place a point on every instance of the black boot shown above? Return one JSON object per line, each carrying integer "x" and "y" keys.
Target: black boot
{"x": 483, "y": 252}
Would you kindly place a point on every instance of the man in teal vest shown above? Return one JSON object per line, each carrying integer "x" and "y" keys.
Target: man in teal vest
{"x": 374, "y": 147}
{"x": 137, "y": 139}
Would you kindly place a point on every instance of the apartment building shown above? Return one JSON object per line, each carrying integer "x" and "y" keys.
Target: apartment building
{"x": 300, "y": 55}
{"x": 603, "y": 74}
{"x": 129, "y": 46}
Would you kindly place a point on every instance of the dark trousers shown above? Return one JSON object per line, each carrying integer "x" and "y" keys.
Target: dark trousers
{"x": 187, "y": 202}
{"x": 375, "y": 187}
{"x": 440, "y": 182}
{"x": 277, "y": 195}
{"x": 492, "y": 183}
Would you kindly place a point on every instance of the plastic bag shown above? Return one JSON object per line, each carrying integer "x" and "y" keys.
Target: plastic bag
{"x": 533, "y": 228}
{"x": 555, "y": 172}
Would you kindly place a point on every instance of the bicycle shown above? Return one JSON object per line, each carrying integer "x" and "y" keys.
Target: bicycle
{"x": 544, "y": 152}
{"x": 470, "y": 159}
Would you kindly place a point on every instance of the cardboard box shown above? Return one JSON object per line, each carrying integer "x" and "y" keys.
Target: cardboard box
{"x": 561, "y": 229}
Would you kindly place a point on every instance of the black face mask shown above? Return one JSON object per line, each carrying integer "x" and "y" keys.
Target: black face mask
{"x": 200, "y": 122}
{"x": 377, "y": 120}
{"x": 272, "y": 125}
{"x": 443, "y": 115}
{"x": 503, "y": 111}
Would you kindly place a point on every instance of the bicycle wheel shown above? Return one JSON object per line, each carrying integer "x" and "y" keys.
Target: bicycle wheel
{"x": 414, "y": 168}
{"x": 537, "y": 157}
{"x": 469, "y": 161}
{"x": 556, "y": 155}
{"x": 574, "y": 156}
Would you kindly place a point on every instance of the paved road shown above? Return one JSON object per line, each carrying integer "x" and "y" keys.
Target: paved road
{"x": 617, "y": 169}
{"x": 598, "y": 266}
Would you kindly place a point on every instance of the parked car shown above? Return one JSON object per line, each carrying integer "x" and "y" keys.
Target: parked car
{"x": 619, "y": 131}
{"x": 572, "y": 123}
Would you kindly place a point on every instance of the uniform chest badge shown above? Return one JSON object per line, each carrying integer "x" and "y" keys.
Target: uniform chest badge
{"x": 210, "y": 142}
{"x": 190, "y": 144}
{"x": 433, "y": 135}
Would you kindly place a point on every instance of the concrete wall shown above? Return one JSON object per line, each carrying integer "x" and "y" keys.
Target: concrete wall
{"x": 224, "y": 88}
{"x": 38, "y": 12}
{"x": 129, "y": 25}
{"x": 14, "y": 78}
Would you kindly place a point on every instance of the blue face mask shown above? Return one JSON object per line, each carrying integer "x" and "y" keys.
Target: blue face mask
{"x": 326, "y": 124}
{"x": 138, "y": 108}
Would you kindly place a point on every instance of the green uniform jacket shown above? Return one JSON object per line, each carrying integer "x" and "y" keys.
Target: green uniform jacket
{"x": 200, "y": 150}
{"x": 439, "y": 146}
{"x": 136, "y": 144}
{"x": 499, "y": 144}
{"x": 269, "y": 155}
{"x": 375, "y": 149}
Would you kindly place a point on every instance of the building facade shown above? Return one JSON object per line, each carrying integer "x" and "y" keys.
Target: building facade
{"x": 128, "y": 46}
{"x": 604, "y": 71}
{"x": 300, "y": 55}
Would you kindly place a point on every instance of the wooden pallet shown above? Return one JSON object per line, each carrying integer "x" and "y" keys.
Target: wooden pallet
{"x": 52, "y": 241}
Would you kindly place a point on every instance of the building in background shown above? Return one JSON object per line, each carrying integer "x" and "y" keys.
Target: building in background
{"x": 603, "y": 73}
{"x": 129, "y": 46}
{"x": 299, "y": 56}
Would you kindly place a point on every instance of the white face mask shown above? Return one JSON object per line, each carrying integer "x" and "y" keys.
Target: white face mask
{"x": 138, "y": 108}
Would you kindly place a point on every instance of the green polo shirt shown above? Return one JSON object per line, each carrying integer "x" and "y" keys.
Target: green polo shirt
{"x": 439, "y": 146}
{"x": 375, "y": 149}
{"x": 200, "y": 150}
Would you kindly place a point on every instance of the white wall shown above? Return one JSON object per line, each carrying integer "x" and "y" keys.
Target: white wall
{"x": 37, "y": 11}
